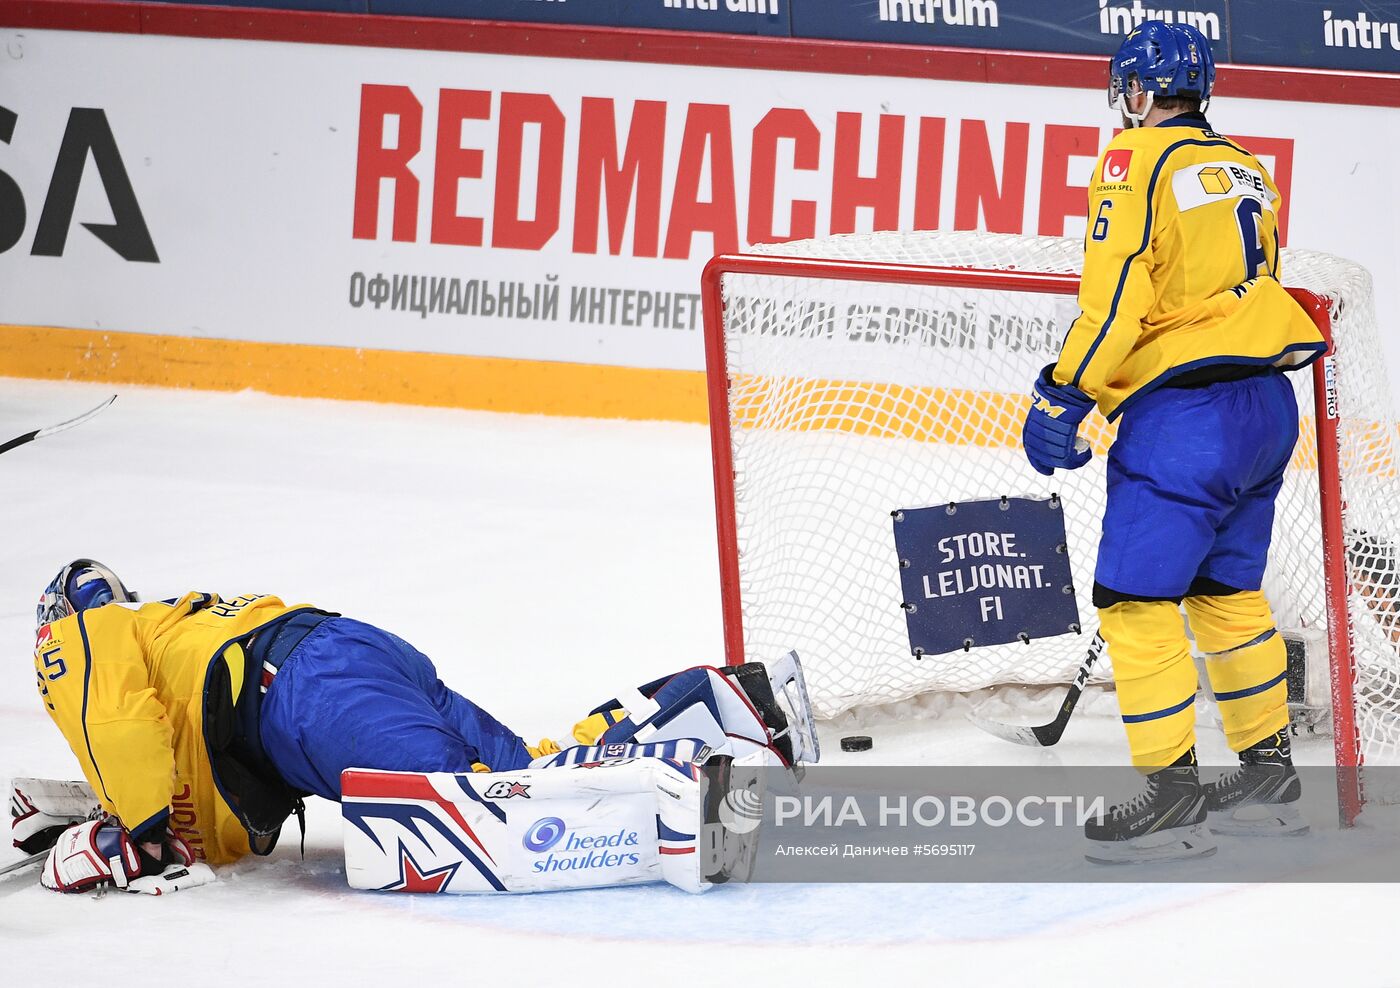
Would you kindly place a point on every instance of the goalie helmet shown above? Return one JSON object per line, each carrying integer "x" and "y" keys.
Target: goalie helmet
{"x": 82, "y": 584}
{"x": 1162, "y": 60}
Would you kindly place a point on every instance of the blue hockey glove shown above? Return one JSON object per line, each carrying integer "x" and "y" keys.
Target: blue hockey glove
{"x": 1053, "y": 423}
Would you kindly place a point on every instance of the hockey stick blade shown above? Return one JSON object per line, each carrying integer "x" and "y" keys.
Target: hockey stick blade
{"x": 1007, "y": 732}
{"x": 29, "y": 437}
{"x": 1046, "y": 735}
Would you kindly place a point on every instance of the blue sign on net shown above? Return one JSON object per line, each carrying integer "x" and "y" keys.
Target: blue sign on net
{"x": 978, "y": 573}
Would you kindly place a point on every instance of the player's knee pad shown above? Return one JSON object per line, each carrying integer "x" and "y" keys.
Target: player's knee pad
{"x": 1146, "y": 638}
{"x": 1155, "y": 677}
{"x": 1246, "y": 660}
{"x": 1226, "y": 621}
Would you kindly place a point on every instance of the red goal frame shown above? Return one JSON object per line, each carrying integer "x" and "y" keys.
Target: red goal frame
{"x": 1346, "y": 741}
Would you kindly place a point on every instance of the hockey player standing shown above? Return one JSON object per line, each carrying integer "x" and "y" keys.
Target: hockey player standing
{"x": 1183, "y": 338}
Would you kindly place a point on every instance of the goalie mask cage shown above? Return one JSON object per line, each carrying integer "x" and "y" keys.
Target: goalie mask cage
{"x": 853, "y": 375}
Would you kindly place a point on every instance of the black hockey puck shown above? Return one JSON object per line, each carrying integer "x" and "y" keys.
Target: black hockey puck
{"x": 857, "y": 742}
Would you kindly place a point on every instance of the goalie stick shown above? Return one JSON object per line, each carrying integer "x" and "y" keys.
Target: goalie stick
{"x": 29, "y": 437}
{"x": 50, "y": 805}
{"x": 1047, "y": 735}
{"x": 23, "y": 863}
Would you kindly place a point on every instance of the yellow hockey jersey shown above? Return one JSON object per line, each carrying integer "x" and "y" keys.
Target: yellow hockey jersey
{"x": 127, "y": 686}
{"x": 1181, "y": 267}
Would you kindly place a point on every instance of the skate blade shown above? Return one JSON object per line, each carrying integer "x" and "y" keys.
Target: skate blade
{"x": 1260, "y": 820}
{"x": 1175, "y": 844}
{"x": 790, "y": 692}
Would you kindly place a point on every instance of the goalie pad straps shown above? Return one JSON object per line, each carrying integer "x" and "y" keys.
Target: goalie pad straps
{"x": 621, "y": 822}
{"x": 682, "y": 749}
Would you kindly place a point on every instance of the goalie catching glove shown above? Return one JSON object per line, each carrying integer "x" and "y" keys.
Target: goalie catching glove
{"x": 100, "y": 852}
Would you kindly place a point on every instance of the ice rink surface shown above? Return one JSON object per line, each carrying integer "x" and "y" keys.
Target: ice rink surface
{"x": 542, "y": 563}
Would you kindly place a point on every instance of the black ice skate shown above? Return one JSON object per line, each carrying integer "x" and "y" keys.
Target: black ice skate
{"x": 778, "y": 692}
{"x": 1259, "y": 798}
{"x": 1166, "y": 821}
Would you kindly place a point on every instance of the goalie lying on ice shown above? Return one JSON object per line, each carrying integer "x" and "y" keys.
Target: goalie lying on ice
{"x": 201, "y": 722}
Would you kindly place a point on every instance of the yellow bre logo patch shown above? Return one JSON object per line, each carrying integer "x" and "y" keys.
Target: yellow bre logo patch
{"x": 1216, "y": 181}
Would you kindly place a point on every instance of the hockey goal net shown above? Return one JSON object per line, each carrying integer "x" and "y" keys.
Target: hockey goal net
{"x": 854, "y": 375}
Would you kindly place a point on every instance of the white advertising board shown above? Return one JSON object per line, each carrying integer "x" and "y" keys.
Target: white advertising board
{"x": 553, "y": 209}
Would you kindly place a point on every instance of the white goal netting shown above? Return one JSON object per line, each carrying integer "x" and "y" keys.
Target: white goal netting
{"x": 849, "y": 399}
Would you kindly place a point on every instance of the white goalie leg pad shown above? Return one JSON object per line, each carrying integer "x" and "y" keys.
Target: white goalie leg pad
{"x": 703, "y": 704}
{"x": 741, "y": 711}
{"x": 621, "y": 822}
{"x": 713, "y": 710}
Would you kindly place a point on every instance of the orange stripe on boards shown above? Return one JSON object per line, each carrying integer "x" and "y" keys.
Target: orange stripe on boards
{"x": 941, "y": 415}
{"x": 303, "y": 371}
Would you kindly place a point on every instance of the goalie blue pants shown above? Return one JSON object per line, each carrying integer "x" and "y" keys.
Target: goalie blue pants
{"x": 351, "y": 695}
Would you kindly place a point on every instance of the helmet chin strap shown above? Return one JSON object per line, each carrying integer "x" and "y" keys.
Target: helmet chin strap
{"x": 1120, "y": 103}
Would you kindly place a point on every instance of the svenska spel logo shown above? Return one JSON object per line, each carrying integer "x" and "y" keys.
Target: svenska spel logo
{"x": 544, "y": 834}
{"x": 1115, "y": 164}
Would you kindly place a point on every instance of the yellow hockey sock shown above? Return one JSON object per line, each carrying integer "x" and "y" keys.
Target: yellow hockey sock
{"x": 546, "y": 746}
{"x": 592, "y": 727}
{"x": 1247, "y": 662}
{"x": 1156, "y": 679}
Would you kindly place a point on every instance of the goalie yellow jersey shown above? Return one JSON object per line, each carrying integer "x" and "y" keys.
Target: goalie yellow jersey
{"x": 1181, "y": 267}
{"x": 126, "y": 686}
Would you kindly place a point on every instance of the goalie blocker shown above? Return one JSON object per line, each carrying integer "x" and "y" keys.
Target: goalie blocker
{"x": 646, "y": 808}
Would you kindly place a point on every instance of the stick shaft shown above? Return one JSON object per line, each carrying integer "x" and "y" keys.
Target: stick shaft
{"x": 23, "y": 863}
{"x": 29, "y": 437}
{"x": 1049, "y": 735}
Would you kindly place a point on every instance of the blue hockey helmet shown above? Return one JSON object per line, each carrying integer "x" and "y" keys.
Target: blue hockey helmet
{"x": 82, "y": 584}
{"x": 1164, "y": 60}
